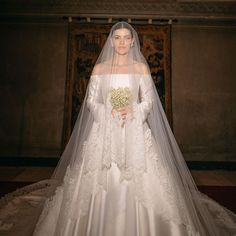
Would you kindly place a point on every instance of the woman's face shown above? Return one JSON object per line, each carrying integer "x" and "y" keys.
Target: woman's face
{"x": 122, "y": 41}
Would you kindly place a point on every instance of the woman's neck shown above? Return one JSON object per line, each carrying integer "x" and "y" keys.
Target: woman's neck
{"x": 120, "y": 60}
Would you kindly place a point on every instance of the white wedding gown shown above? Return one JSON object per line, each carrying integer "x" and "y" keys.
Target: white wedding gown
{"x": 114, "y": 201}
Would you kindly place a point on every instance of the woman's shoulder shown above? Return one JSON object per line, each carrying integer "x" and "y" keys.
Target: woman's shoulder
{"x": 141, "y": 68}
{"x": 97, "y": 69}
{"x": 101, "y": 68}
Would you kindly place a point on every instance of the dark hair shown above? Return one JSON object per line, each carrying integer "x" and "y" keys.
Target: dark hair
{"x": 122, "y": 25}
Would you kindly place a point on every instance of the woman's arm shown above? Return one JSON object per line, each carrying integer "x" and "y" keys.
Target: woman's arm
{"x": 93, "y": 103}
{"x": 146, "y": 96}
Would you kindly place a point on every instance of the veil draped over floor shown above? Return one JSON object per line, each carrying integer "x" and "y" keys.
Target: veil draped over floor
{"x": 179, "y": 179}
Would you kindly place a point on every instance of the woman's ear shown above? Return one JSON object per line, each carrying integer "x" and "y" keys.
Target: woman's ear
{"x": 132, "y": 43}
{"x": 111, "y": 42}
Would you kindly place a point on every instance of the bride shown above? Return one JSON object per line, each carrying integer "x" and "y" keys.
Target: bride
{"x": 122, "y": 172}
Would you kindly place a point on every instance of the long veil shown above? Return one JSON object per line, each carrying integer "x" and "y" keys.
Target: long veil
{"x": 178, "y": 178}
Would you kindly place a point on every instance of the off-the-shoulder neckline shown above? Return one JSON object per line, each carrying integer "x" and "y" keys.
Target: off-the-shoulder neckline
{"x": 121, "y": 74}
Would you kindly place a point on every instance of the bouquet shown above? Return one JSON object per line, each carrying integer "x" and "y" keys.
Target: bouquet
{"x": 121, "y": 97}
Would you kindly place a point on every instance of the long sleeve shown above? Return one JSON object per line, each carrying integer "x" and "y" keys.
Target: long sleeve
{"x": 93, "y": 104}
{"x": 146, "y": 96}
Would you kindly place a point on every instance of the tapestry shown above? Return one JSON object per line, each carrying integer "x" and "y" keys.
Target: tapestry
{"x": 84, "y": 46}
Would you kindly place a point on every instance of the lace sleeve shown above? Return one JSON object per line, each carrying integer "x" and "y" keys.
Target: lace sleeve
{"x": 93, "y": 104}
{"x": 146, "y": 96}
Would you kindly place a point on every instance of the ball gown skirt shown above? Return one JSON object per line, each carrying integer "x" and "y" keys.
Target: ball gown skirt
{"x": 127, "y": 197}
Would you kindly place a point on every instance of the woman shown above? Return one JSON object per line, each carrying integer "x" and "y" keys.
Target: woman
{"x": 122, "y": 172}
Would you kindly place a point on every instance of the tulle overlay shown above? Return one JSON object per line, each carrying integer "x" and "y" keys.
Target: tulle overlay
{"x": 122, "y": 186}
{"x": 122, "y": 172}
{"x": 96, "y": 195}
{"x": 101, "y": 202}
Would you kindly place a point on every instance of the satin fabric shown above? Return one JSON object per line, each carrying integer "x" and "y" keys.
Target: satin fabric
{"x": 113, "y": 212}
{"x": 100, "y": 197}
{"x": 131, "y": 195}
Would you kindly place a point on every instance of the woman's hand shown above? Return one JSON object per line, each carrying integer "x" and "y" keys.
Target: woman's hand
{"x": 123, "y": 111}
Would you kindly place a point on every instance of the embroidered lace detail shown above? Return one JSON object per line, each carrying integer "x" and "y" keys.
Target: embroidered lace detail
{"x": 93, "y": 150}
{"x": 142, "y": 168}
{"x": 79, "y": 189}
{"x": 157, "y": 176}
{"x": 26, "y": 201}
{"x": 191, "y": 232}
{"x": 50, "y": 203}
{"x": 222, "y": 215}
{"x": 106, "y": 135}
{"x": 81, "y": 182}
{"x": 42, "y": 185}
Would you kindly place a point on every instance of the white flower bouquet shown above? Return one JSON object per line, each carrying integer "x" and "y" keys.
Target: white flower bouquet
{"x": 120, "y": 98}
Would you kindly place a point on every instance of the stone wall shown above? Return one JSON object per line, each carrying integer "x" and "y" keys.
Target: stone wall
{"x": 203, "y": 89}
{"x": 33, "y": 72}
{"x": 32, "y": 86}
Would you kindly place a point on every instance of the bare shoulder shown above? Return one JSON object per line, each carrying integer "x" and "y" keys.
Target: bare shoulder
{"x": 97, "y": 69}
{"x": 141, "y": 68}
